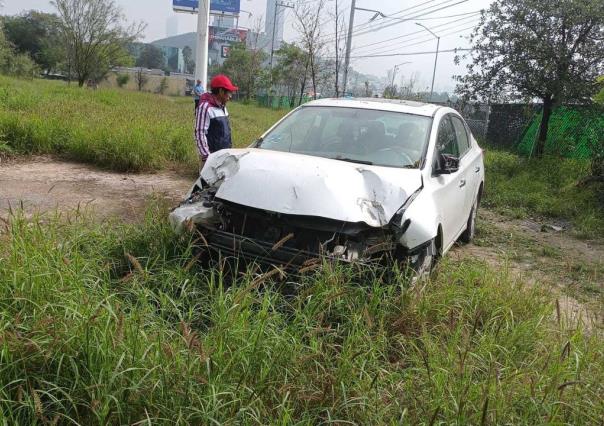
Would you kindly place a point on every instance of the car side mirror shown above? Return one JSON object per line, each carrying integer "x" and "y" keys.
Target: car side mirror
{"x": 447, "y": 164}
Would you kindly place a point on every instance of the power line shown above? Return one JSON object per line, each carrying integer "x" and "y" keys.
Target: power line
{"x": 450, "y": 16}
{"x": 423, "y": 12}
{"x": 413, "y": 33}
{"x": 457, "y": 31}
{"x": 412, "y": 53}
{"x": 412, "y": 17}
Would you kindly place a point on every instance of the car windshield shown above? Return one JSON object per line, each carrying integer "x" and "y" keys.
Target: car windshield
{"x": 364, "y": 136}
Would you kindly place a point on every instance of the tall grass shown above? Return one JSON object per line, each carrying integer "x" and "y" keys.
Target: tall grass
{"x": 545, "y": 187}
{"x": 113, "y": 128}
{"x": 114, "y": 324}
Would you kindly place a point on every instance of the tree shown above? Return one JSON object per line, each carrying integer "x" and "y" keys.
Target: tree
{"x": 36, "y": 34}
{"x": 244, "y": 66}
{"x": 95, "y": 35}
{"x": 14, "y": 63}
{"x": 308, "y": 25}
{"x": 527, "y": 49}
{"x": 289, "y": 71}
{"x": 141, "y": 79}
{"x": 151, "y": 57}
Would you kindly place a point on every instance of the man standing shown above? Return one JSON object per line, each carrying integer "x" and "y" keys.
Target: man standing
{"x": 197, "y": 92}
{"x": 212, "y": 127}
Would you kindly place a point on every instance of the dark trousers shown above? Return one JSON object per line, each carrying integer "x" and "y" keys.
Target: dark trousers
{"x": 196, "y": 104}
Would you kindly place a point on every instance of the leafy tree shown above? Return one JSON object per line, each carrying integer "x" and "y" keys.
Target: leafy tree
{"x": 527, "y": 49}
{"x": 599, "y": 98}
{"x": 14, "y": 63}
{"x": 290, "y": 69}
{"x": 95, "y": 35}
{"x": 244, "y": 66}
{"x": 151, "y": 57}
{"x": 36, "y": 34}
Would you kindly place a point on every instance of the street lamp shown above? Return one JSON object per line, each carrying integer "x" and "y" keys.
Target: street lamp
{"x": 435, "y": 59}
{"x": 394, "y": 71}
{"x": 349, "y": 38}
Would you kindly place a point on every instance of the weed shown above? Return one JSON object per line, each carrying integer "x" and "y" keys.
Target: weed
{"x": 104, "y": 323}
{"x": 116, "y": 129}
{"x": 547, "y": 187}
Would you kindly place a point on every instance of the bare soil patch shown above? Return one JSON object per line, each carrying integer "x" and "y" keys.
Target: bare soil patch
{"x": 41, "y": 184}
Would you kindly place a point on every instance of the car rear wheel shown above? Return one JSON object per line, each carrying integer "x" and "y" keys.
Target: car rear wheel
{"x": 468, "y": 235}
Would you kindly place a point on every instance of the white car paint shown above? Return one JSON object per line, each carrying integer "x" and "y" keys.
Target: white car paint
{"x": 305, "y": 185}
{"x": 433, "y": 206}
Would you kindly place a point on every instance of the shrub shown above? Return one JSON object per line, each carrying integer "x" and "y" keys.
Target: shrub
{"x": 122, "y": 79}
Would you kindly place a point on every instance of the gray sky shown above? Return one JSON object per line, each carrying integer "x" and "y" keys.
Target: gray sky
{"x": 369, "y": 39}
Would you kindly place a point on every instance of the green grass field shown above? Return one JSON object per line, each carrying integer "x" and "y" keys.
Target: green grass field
{"x": 114, "y": 324}
{"x": 115, "y": 129}
{"x": 546, "y": 189}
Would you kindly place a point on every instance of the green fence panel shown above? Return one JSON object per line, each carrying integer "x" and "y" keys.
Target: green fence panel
{"x": 573, "y": 132}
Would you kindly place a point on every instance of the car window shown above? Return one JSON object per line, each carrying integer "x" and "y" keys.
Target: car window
{"x": 295, "y": 133}
{"x": 385, "y": 138}
{"x": 462, "y": 135}
{"x": 446, "y": 142}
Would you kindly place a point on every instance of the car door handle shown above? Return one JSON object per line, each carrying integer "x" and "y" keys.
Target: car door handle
{"x": 477, "y": 169}
{"x": 462, "y": 183}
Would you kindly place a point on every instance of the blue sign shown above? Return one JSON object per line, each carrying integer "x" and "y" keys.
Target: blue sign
{"x": 216, "y": 6}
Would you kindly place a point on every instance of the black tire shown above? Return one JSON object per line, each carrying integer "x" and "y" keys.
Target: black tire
{"x": 422, "y": 263}
{"x": 468, "y": 235}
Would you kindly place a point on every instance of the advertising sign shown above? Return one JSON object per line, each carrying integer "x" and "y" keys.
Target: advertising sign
{"x": 230, "y": 7}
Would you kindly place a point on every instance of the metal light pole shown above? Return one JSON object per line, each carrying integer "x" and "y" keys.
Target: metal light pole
{"x": 277, "y": 4}
{"x": 201, "y": 54}
{"x": 349, "y": 38}
{"x": 435, "y": 59}
{"x": 394, "y": 71}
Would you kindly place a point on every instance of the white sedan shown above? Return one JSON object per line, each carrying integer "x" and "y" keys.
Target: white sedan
{"x": 353, "y": 180}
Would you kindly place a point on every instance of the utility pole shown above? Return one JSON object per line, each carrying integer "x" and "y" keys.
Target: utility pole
{"x": 277, "y": 4}
{"x": 348, "y": 46}
{"x": 201, "y": 54}
{"x": 435, "y": 59}
{"x": 349, "y": 38}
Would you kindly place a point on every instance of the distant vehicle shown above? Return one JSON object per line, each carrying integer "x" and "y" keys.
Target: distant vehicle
{"x": 352, "y": 180}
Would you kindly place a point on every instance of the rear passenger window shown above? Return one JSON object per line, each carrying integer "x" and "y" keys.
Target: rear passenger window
{"x": 446, "y": 142}
{"x": 462, "y": 135}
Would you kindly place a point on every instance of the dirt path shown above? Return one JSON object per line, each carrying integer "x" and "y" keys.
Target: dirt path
{"x": 571, "y": 267}
{"x": 42, "y": 184}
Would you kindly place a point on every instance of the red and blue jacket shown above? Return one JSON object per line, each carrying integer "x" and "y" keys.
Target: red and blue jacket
{"x": 212, "y": 127}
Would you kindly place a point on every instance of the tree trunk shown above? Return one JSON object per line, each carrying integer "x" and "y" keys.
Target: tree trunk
{"x": 313, "y": 77}
{"x": 543, "y": 128}
{"x": 303, "y": 85}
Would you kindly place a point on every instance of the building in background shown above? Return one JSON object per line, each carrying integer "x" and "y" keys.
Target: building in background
{"x": 278, "y": 23}
{"x": 172, "y": 26}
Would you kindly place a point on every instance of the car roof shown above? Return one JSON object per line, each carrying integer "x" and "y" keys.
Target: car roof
{"x": 394, "y": 105}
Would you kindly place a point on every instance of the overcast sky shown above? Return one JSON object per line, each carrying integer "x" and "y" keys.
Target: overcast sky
{"x": 369, "y": 39}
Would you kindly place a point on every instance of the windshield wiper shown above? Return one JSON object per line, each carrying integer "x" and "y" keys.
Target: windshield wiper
{"x": 352, "y": 160}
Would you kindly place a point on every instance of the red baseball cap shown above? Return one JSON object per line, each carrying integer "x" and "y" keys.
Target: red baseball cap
{"x": 222, "y": 81}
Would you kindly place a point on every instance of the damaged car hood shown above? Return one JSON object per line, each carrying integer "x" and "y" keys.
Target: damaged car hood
{"x": 310, "y": 186}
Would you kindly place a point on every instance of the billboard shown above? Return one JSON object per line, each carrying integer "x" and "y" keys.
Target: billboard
{"x": 220, "y": 41}
{"x": 231, "y": 7}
